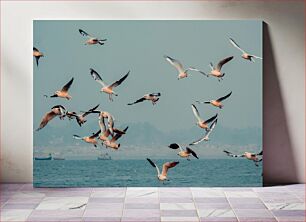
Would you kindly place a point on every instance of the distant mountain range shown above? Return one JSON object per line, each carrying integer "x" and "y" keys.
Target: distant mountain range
{"x": 145, "y": 134}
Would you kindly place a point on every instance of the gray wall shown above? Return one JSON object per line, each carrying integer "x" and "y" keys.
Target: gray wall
{"x": 284, "y": 72}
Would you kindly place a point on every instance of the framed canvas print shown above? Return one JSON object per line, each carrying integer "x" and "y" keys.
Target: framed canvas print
{"x": 147, "y": 103}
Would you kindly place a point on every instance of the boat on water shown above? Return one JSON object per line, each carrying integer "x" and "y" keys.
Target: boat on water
{"x": 58, "y": 158}
{"x": 104, "y": 157}
{"x": 44, "y": 158}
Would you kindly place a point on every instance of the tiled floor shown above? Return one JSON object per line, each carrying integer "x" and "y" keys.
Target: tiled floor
{"x": 22, "y": 202}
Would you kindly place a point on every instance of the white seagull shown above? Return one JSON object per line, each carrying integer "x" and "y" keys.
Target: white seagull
{"x": 206, "y": 136}
{"x": 153, "y": 97}
{"x": 57, "y": 110}
{"x": 217, "y": 102}
{"x": 244, "y": 55}
{"x": 112, "y": 143}
{"x": 202, "y": 123}
{"x": 91, "y": 40}
{"x": 37, "y": 54}
{"x": 182, "y": 73}
{"x": 163, "y": 175}
{"x": 63, "y": 93}
{"x": 89, "y": 139}
{"x": 247, "y": 155}
{"x": 183, "y": 153}
{"x": 108, "y": 89}
{"x": 216, "y": 71}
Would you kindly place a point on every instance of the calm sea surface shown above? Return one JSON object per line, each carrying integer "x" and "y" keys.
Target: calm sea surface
{"x": 139, "y": 173}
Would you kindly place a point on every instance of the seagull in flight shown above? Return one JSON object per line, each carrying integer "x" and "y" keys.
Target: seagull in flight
{"x": 183, "y": 153}
{"x": 247, "y": 155}
{"x": 153, "y": 97}
{"x": 108, "y": 89}
{"x": 37, "y": 54}
{"x": 80, "y": 118}
{"x": 166, "y": 166}
{"x": 216, "y": 71}
{"x": 109, "y": 130}
{"x": 90, "y": 39}
{"x": 63, "y": 93}
{"x": 217, "y": 102}
{"x": 207, "y": 133}
{"x": 57, "y": 110}
{"x": 244, "y": 55}
{"x": 89, "y": 139}
{"x": 182, "y": 72}
{"x": 112, "y": 143}
{"x": 200, "y": 122}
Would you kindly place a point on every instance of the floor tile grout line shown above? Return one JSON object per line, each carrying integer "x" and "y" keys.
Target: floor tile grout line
{"x": 5, "y": 202}
{"x": 266, "y": 205}
{"x": 10, "y": 196}
{"x": 123, "y": 206}
{"x": 196, "y": 207}
{"x": 158, "y": 197}
{"x": 91, "y": 191}
{"x": 231, "y": 205}
{"x": 37, "y": 204}
{"x": 292, "y": 192}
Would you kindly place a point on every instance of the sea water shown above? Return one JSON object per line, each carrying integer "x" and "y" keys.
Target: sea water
{"x": 139, "y": 173}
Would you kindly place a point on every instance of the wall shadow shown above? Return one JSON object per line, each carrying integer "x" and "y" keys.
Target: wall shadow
{"x": 279, "y": 164}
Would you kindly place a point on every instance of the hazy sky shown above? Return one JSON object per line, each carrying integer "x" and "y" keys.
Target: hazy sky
{"x": 139, "y": 46}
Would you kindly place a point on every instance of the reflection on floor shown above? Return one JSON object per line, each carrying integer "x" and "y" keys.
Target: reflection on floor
{"x": 22, "y": 202}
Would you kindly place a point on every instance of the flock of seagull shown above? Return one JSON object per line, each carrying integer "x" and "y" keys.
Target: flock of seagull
{"x": 108, "y": 134}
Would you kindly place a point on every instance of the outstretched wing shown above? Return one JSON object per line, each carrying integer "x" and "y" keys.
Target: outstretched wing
{"x": 212, "y": 126}
{"x": 37, "y": 59}
{"x": 231, "y": 154}
{"x": 153, "y": 165}
{"x": 92, "y": 110}
{"x": 115, "y": 130}
{"x": 62, "y": 108}
{"x": 257, "y": 57}
{"x": 198, "y": 141}
{"x": 137, "y": 101}
{"x": 95, "y": 134}
{"x": 67, "y": 86}
{"x": 224, "y": 97}
{"x": 192, "y": 152}
{"x": 224, "y": 61}
{"x": 206, "y": 136}
{"x": 196, "y": 112}
{"x": 35, "y": 49}
{"x": 83, "y": 33}
{"x": 46, "y": 118}
{"x": 102, "y": 124}
{"x": 117, "y": 83}
{"x": 97, "y": 77}
{"x": 175, "y": 146}
{"x": 211, "y": 119}
{"x": 236, "y": 45}
{"x": 118, "y": 135}
{"x": 211, "y": 66}
{"x": 197, "y": 70}
{"x": 167, "y": 166}
{"x": 77, "y": 137}
{"x": 205, "y": 102}
{"x": 175, "y": 63}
